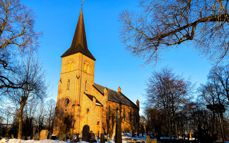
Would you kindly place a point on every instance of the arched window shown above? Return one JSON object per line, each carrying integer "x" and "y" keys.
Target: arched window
{"x": 68, "y": 85}
{"x": 66, "y": 102}
{"x": 85, "y": 88}
{"x": 86, "y": 67}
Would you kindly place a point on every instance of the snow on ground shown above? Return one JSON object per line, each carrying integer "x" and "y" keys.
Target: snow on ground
{"x": 126, "y": 139}
{"x": 36, "y": 141}
{"x": 29, "y": 141}
{"x": 42, "y": 141}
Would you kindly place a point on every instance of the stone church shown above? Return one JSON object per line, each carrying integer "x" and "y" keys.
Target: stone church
{"x": 81, "y": 101}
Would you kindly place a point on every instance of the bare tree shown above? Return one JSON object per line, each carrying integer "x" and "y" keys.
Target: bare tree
{"x": 34, "y": 87}
{"x": 202, "y": 125}
{"x": 215, "y": 94}
{"x": 166, "y": 23}
{"x": 31, "y": 108}
{"x": 40, "y": 117}
{"x": 29, "y": 117}
{"x": 16, "y": 32}
{"x": 51, "y": 104}
{"x": 142, "y": 125}
{"x": 219, "y": 79}
{"x": 16, "y": 25}
{"x": 23, "y": 81}
{"x": 154, "y": 121}
{"x": 167, "y": 93}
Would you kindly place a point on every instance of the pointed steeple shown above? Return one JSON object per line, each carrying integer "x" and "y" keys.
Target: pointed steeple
{"x": 79, "y": 42}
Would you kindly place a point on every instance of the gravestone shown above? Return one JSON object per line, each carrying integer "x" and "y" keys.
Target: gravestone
{"x": 154, "y": 141}
{"x": 44, "y": 134}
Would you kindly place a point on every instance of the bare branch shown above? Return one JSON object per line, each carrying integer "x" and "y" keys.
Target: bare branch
{"x": 169, "y": 23}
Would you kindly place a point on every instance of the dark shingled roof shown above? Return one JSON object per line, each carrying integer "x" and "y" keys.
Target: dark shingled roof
{"x": 79, "y": 42}
{"x": 115, "y": 96}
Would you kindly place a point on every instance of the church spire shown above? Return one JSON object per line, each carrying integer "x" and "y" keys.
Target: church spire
{"x": 79, "y": 42}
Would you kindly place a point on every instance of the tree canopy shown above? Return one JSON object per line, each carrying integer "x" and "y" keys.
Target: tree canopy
{"x": 167, "y": 23}
{"x": 16, "y": 35}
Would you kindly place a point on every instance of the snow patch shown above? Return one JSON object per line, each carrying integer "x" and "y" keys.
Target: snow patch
{"x": 29, "y": 141}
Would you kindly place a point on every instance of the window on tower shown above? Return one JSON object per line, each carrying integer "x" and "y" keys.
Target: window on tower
{"x": 86, "y": 67}
{"x": 85, "y": 88}
{"x": 68, "y": 85}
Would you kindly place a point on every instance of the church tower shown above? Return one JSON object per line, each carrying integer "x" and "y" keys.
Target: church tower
{"x": 76, "y": 78}
{"x": 81, "y": 102}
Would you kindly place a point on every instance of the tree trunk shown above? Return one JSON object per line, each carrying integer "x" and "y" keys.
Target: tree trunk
{"x": 20, "y": 120}
{"x": 221, "y": 126}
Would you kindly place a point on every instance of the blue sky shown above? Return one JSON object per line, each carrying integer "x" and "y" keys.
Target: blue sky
{"x": 115, "y": 65}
